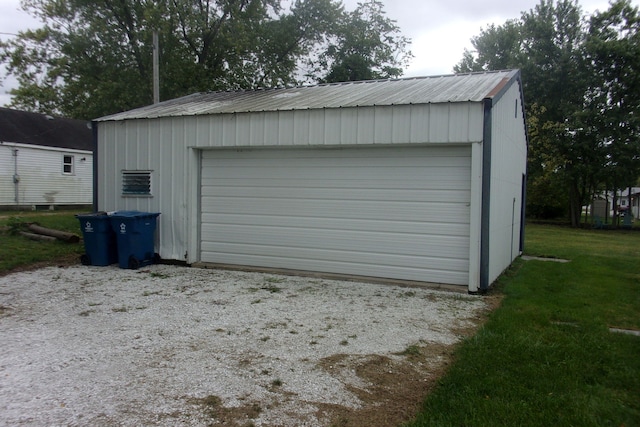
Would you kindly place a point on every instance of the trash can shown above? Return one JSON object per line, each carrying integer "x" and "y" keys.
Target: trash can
{"x": 100, "y": 244}
{"x": 135, "y": 232}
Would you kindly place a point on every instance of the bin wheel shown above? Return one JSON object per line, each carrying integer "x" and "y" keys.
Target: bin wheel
{"x": 156, "y": 258}
{"x": 85, "y": 260}
{"x": 133, "y": 263}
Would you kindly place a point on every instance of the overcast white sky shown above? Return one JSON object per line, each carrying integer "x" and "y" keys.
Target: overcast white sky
{"x": 440, "y": 30}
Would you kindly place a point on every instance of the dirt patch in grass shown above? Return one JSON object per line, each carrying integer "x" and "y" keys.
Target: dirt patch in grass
{"x": 394, "y": 386}
{"x": 391, "y": 387}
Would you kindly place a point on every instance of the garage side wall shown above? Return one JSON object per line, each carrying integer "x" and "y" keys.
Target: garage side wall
{"x": 158, "y": 147}
{"x": 169, "y": 149}
{"x": 508, "y": 165}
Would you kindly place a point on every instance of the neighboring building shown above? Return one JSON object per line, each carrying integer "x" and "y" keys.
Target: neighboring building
{"x": 602, "y": 205}
{"x": 418, "y": 179}
{"x": 44, "y": 161}
{"x": 629, "y": 200}
{"x": 635, "y": 203}
{"x": 599, "y": 208}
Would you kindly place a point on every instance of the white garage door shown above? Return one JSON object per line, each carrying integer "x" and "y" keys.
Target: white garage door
{"x": 399, "y": 212}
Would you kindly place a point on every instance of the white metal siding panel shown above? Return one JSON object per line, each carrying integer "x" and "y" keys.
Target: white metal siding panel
{"x": 301, "y": 127}
{"x": 462, "y": 122}
{"x": 42, "y": 181}
{"x": 400, "y": 212}
{"x": 405, "y": 124}
{"x": 439, "y": 122}
{"x": 401, "y": 129}
{"x": 475, "y": 213}
{"x": 158, "y": 146}
{"x": 366, "y": 126}
{"x": 508, "y": 164}
{"x": 383, "y": 133}
{"x": 317, "y": 129}
{"x": 243, "y": 127}
{"x": 331, "y": 122}
{"x": 348, "y": 126}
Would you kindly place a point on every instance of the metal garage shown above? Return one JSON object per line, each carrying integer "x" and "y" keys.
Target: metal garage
{"x": 417, "y": 179}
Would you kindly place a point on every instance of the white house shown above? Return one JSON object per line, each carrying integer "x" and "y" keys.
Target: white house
{"x": 418, "y": 179}
{"x": 625, "y": 199}
{"x": 629, "y": 199}
{"x": 44, "y": 161}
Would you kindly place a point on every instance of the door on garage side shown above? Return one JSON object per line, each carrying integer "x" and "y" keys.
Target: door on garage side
{"x": 390, "y": 212}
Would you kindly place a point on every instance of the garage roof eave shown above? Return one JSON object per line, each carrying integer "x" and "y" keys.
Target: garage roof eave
{"x": 455, "y": 88}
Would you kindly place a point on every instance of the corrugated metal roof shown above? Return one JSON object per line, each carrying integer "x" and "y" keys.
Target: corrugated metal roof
{"x": 472, "y": 87}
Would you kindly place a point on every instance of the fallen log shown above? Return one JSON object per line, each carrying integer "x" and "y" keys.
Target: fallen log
{"x": 33, "y": 236}
{"x": 56, "y": 234}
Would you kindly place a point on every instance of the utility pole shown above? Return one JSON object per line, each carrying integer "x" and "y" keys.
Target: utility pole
{"x": 156, "y": 71}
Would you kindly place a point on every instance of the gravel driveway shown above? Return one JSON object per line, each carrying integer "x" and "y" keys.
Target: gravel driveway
{"x": 177, "y": 346}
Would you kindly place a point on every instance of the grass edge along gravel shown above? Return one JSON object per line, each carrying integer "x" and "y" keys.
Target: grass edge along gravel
{"x": 547, "y": 356}
{"x": 17, "y": 252}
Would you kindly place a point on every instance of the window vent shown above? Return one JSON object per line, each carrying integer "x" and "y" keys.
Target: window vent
{"x": 136, "y": 183}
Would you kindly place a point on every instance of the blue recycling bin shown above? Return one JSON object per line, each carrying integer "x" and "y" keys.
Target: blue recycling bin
{"x": 100, "y": 244}
{"x": 135, "y": 236}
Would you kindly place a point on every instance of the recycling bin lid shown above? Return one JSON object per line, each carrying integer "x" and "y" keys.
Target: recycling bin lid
{"x": 132, "y": 214}
{"x": 93, "y": 215}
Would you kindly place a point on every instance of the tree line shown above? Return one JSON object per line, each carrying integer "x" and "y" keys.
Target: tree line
{"x": 94, "y": 58}
{"x": 581, "y": 78}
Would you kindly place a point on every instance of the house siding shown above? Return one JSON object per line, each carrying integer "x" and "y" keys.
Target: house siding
{"x": 7, "y": 187}
{"x": 42, "y": 181}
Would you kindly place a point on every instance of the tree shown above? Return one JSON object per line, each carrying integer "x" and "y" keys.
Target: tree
{"x": 367, "y": 45}
{"x": 545, "y": 189}
{"x": 545, "y": 43}
{"x": 612, "y": 50}
{"x": 496, "y": 48}
{"x": 93, "y": 58}
{"x": 582, "y": 81}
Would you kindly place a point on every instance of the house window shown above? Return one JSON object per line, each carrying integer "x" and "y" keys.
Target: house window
{"x": 136, "y": 183}
{"x": 67, "y": 165}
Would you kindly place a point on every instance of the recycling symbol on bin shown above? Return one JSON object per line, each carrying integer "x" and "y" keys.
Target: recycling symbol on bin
{"x": 88, "y": 228}
{"x": 123, "y": 228}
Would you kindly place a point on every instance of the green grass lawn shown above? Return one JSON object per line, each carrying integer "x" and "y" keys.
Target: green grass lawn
{"x": 546, "y": 357}
{"x": 17, "y": 251}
